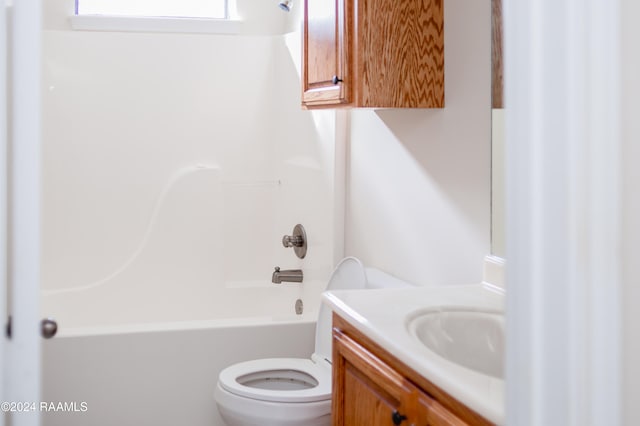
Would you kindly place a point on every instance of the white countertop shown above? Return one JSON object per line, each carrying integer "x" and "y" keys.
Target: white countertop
{"x": 381, "y": 315}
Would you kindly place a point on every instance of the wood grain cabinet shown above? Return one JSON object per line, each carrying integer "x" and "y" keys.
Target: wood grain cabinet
{"x": 373, "y": 54}
{"x": 371, "y": 388}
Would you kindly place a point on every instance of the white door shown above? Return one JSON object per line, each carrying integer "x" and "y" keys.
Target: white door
{"x": 20, "y": 211}
{"x": 3, "y": 202}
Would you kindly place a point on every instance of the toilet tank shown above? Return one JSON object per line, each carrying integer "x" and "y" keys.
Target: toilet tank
{"x": 350, "y": 274}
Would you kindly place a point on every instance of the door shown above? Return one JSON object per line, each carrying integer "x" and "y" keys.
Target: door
{"x": 326, "y": 79}
{"x": 20, "y": 212}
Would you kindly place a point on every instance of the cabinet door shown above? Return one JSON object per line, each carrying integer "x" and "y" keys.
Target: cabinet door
{"x": 430, "y": 413}
{"x": 326, "y": 79}
{"x": 367, "y": 392}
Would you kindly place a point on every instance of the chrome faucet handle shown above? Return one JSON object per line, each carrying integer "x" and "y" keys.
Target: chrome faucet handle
{"x": 298, "y": 240}
{"x": 292, "y": 241}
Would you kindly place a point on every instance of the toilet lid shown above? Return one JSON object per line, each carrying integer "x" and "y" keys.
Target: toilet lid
{"x": 349, "y": 275}
{"x": 228, "y": 380}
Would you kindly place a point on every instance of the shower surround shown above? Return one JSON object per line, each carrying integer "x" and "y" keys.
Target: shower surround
{"x": 173, "y": 164}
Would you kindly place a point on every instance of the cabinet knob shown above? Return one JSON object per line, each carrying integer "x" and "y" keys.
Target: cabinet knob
{"x": 397, "y": 418}
{"x": 336, "y": 80}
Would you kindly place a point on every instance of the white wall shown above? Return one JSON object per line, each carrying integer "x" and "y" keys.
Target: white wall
{"x": 418, "y": 196}
{"x": 124, "y": 111}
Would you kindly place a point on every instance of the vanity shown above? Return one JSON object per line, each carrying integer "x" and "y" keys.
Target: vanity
{"x": 418, "y": 356}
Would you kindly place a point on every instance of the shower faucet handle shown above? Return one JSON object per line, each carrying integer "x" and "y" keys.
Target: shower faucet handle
{"x": 298, "y": 240}
{"x": 292, "y": 241}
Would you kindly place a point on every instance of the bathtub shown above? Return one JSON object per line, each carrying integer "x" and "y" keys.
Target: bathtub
{"x": 160, "y": 367}
{"x": 146, "y": 326}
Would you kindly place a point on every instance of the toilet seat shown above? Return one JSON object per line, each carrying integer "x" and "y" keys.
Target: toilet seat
{"x": 321, "y": 374}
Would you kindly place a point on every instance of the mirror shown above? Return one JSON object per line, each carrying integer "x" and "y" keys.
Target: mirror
{"x": 497, "y": 132}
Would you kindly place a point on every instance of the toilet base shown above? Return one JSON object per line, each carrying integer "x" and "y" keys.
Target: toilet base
{"x": 239, "y": 411}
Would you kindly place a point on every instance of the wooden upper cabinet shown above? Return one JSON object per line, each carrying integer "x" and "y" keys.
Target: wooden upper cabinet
{"x": 373, "y": 54}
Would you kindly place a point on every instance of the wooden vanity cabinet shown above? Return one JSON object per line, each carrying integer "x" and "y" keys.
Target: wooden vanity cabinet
{"x": 371, "y": 388}
{"x": 373, "y": 53}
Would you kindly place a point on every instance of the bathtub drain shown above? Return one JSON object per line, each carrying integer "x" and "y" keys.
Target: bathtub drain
{"x": 299, "y": 307}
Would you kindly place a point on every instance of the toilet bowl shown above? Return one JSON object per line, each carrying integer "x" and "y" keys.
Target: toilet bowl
{"x": 275, "y": 392}
{"x": 292, "y": 391}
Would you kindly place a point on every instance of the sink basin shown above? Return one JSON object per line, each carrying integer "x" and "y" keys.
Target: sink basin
{"x": 473, "y": 339}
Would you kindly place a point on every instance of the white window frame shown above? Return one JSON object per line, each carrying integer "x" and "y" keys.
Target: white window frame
{"x": 232, "y": 24}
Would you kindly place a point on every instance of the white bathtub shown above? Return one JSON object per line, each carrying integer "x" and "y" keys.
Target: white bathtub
{"x": 146, "y": 324}
{"x": 158, "y": 365}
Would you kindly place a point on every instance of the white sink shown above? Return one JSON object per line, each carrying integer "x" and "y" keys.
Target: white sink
{"x": 473, "y": 339}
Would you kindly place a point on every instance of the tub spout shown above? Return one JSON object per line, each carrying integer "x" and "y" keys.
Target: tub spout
{"x": 288, "y": 275}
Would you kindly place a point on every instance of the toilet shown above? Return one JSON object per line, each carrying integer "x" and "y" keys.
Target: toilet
{"x": 293, "y": 391}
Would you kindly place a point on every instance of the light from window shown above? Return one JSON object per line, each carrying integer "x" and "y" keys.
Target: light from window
{"x": 216, "y": 9}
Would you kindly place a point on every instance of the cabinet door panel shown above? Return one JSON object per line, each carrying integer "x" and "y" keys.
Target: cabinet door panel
{"x": 366, "y": 403}
{"x": 368, "y": 391}
{"x": 322, "y": 44}
{"x": 434, "y": 414}
{"x": 400, "y": 53}
{"x": 324, "y": 52}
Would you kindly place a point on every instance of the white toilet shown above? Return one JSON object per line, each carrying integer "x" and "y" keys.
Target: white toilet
{"x": 292, "y": 391}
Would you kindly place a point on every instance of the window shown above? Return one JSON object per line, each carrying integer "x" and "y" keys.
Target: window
{"x": 174, "y": 16}
{"x": 214, "y": 9}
